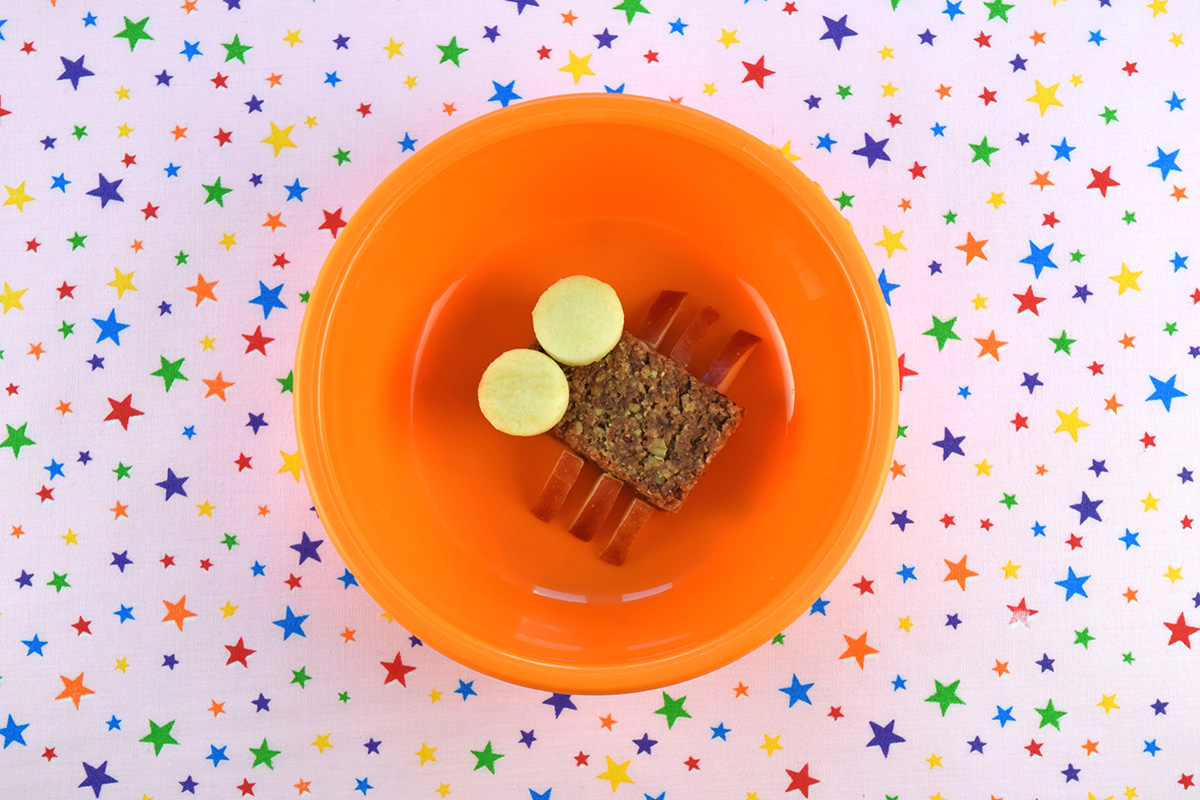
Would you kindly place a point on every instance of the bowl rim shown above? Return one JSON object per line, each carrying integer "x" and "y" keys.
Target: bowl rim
{"x": 423, "y": 166}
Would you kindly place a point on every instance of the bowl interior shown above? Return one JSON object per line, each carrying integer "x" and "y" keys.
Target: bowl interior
{"x": 438, "y": 274}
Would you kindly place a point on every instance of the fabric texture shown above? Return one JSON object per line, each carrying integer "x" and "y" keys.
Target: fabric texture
{"x": 1017, "y": 621}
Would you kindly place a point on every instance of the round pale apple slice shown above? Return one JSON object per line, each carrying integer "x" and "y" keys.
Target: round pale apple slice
{"x": 523, "y": 393}
{"x": 578, "y": 320}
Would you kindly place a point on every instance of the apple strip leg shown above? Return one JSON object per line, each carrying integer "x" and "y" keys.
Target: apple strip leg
{"x": 595, "y": 509}
{"x": 557, "y": 486}
{"x": 730, "y": 360}
{"x": 662, "y": 314}
{"x": 695, "y": 332}
{"x": 622, "y": 539}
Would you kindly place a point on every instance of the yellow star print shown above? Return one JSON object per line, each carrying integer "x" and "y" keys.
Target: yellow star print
{"x": 1045, "y": 96}
{"x": 17, "y": 197}
{"x": 1158, "y": 7}
{"x": 889, "y": 90}
{"x": 1173, "y": 573}
{"x": 1150, "y": 502}
{"x": 885, "y": 53}
{"x": 1070, "y": 423}
{"x": 1126, "y": 279}
{"x": 293, "y": 38}
{"x": 12, "y": 297}
{"x": 207, "y": 343}
{"x": 1076, "y": 80}
{"x": 411, "y": 82}
{"x": 891, "y": 241}
{"x": 322, "y": 742}
{"x": 123, "y": 131}
{"x": 980, "y": 301}
{"x": 123, "y": 282}
{"x": 393, "y": 48}
{"x": 983, "y": 468}
{"x": 228, "y": 240}
{"x": 1093, "y": 797}
{"x": 1130, "y": 792}
{"x": 1108, "y": 702}
{"x": 1010, "y": 570}
{"x": 280, "y": 138}
{"x": 310, "y": 122}
{"x": 934, "y": 760}
{"x": 905, "y": 624}
{"x": 710, "y": 89}
{"x": 996, "y": 200}
{"x": 291, "y": 463}
{"x": 786, "y": 149}
{"x": 770, "y": 744}
{"x": 70, "y": 537}
{"x": 426, "y": 753}
{"x": 578, "y": 67}
{"x": 728, "y": 37}
{"x": 1176, "y": 39}
{"x": 615, "y": 773}
{"x": 434, "y": 696}
{"x": 443, "y": 789}
{"x": 228, "y": 609}
{"x": 122, "y": 664}
{"x": 206, "y": 508}
{"x": 122, "y": 94}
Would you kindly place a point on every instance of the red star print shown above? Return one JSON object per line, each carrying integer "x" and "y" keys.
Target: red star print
{"x": 243, "y": 462}
{"x": 82, "y": 626}
{"x": 1050, "y": 220}
{"x": 1021, "y": 613}
{"x": 11, "y": 389}
{"x": 129, "y": 160}
{"x": 1186, "y": 522}
{"x": 45, "y": 493}
{"x": 986, "y": 524}
{"x": 835, "y": 712}
{"x": 1096, "y": 368}
{"x": 220, "y": 81}
{"x": 1102, "y": 180}
{"x": 1129, "y": 68}
{"x": 396, "y": 670}
{"x": 988, "y": 97}
{"x": 223, "y": 137}
{"x": 49, "y": 754}
{"x": 757, "y": 71}
{"x": 123, "y": 411}
{"x": 32, "y": 244}
{"x": 1147, "y": 441}
{"x": 1019, "y": 422}
{"x": 167, "y": 561}
{"x": 1029, "y": 301}
{"x": 364, "y": 109}
{"x": 333, "y": 222}
{"x": 206, "y": 564}
{"x": 917, "y": 170}
{"x": 239, "y": 653}
{"x": 3, "y": 111}
{"x": 905, "y": 372}
{"x": 1180, "y": 632}
{"x": 894, "y": 120}
{"x": 281, "y": 261}
{"x": 149, "y": 211}
{"x": 946, "y": 521}
{"x": 544, "y": 52}
{"x": 293, "y": 582}
{"x": 65, "y": 291}
{"x": 1195, "y": 296}
{"x": 256, "y": 340}
{"x": 1075, "y": 541}
{"x": 1034, "y": 748}
{"x": 28, "y": 48}
{"x": 1184, "y": 780}
{"x": 246, "y": 787}
{"x": 800, "y": 780}
{"x": 789, "y": 8}
{"x": 581, "y": 760}
{"x": 983, "y": 40}
{"x": 692, "y": 763}
{"x": 864, "y": 586}
{"x": 652, "y": 57}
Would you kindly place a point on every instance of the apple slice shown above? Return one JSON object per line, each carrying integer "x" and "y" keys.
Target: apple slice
{"x": 622, "y": 539}
{"x": 661, "y": 315}
{"x": 578, "y": 320}
{"x": 559, "y": 483}
{"x": 596, "y": 507}
{"x": 729, "y": 362}
{"x": 693, "y": 334}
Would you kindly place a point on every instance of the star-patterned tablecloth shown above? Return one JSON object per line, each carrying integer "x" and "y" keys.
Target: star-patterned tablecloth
{"x": 1019, "y": 619}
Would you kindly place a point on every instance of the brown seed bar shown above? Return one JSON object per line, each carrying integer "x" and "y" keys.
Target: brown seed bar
{"x": 640, "y": 416}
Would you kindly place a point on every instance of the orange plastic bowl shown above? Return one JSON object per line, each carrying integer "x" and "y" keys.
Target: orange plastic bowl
{"x": 438, "y": 272}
